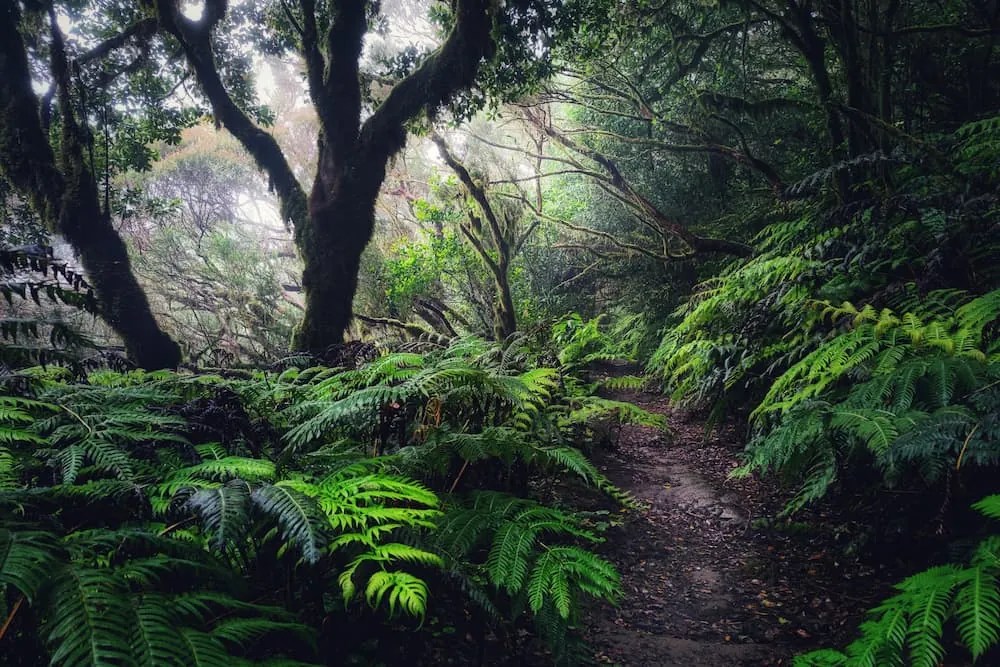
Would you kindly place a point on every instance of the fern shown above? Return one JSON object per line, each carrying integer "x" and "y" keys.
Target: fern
{"x": 224, "y": 512}
{"x": 522, "y": 559}
{"x": 112, "y": 491}
{"x": 913, "y": 622}
{"x": 400, "y": 589}
{"x": 90, "y": 620}
{"x": 299, "y": 516}
{"x": 27, "y": 558}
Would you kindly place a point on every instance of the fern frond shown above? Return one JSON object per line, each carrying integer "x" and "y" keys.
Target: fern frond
{"x": 400, "y": 589}
{"x": 224, "y": 510}
{"x": 989, "y": 506}
{"x": 507, "y": 562}
{"x": 27, "y": 559}
{"x": 89, "y": 616}
{"x": 978, "y": 610}
{"x": 203, "y": 649}
{"x": 300, "y": 518}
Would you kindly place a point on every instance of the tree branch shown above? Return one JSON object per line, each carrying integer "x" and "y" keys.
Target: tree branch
{"x": 610, "y": 238}
{"x": 619, "y": 187}
{"x": 340, "y": 104}
{"x": 315, "y": 63}
{"x": 411, "y": 328}
{"x": 142, "y": 30}
{"x": 474, "y": 189}
{"x": 195, "y": 39}
{"x": 452, "y": 67}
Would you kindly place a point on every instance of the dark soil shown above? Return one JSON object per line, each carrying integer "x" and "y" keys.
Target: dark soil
{"x": 709, "y": 579}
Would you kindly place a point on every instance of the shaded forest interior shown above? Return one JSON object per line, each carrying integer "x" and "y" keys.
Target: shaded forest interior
{"x": 646, "y": 332}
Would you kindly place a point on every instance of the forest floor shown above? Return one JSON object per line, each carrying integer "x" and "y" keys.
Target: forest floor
{"x": 709, "y": 578}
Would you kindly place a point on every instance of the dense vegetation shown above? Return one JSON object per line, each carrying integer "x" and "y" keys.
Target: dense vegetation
{"x": 786, "y": 213}
{"x": 157, "y": 518}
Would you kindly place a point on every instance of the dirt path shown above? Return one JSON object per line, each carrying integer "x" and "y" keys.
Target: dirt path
{"x": 704, "y": 586}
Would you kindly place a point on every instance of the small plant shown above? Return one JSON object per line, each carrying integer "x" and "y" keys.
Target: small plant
{"x": 910, "y": 627}
{"x": 133, "y": 534}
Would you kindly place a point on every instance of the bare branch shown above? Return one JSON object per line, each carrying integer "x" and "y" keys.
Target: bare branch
{"x": 616, "y": 185}
{"x": 474, "y": 189}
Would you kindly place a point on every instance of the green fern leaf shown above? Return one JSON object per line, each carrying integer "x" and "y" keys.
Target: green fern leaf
{"x": 989, "y": 506}
{"x": 549, "y": 580}
{"x": 978, "y": 611}
{"x": 88, "y": 618}
{"x": 203, "y": 650}
{"x": 27, "y": 559}
{"x": 405, "y": 591}
{"x": 301, "y": 520}
{"x": 507, "y": 563}
{"x": 931, "y": 593}
{"x": 821, "y": 658}
{"x": 153, "y": 640}
{"x": 225, "y": 511}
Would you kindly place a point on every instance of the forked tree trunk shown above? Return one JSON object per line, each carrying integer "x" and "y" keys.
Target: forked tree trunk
{"x": 334, "y": 224}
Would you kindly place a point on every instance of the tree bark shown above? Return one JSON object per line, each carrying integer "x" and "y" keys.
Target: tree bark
{"x": 335, "y": 223}
{"x": 331, "y": 241}
{"x": 66, "y": 196}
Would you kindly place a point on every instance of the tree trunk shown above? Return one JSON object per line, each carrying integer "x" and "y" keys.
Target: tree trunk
{"x": 505, "y": 317}
{"x": 120, "y": 299}
{"x": 332, "y": 230}
{"x": 66, "y": 197}
{"x": 331, "y": 244}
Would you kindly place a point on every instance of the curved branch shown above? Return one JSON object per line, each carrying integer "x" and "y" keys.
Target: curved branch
{"x": 411, "y": 328}
{"x": 195, "y": 39}
{"x": 619, "y": 187}
{"x": 474, "y": 189}
{"x": 451, "y": 68}
{"x": 142, "y": 30}
{"x": 610, "y": 238}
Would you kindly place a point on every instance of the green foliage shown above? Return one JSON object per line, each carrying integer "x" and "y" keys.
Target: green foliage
{"x": 901, "y": 375}
{"x": 582, "y": 342}
{"x": 137, "y": 537}
{"x": 910, "y": 627}
{"x": 36, "y": 290}
{"x": 910, "y": 394}
{"x": 516, "y": 541}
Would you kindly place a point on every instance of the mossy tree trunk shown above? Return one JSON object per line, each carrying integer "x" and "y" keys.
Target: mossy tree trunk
{"x": 65, "y": 194}
{"x": 334, "y": 223}
{"x": 331, "y": 240}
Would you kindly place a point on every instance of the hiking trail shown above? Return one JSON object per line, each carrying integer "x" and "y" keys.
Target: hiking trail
{"x": 704, "y": 585}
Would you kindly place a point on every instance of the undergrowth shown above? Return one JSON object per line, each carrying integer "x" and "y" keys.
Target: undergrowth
{"x": 161, "y": 518}
{"x": 862, "y": 345}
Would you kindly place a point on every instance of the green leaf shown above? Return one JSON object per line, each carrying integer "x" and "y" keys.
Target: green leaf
{"x": 299, "y": 516}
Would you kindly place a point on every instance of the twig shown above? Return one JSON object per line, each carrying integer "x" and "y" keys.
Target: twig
{"x": 465, "y": 466}
{"x": 174, "y": 526}
{"x": 10, "y": 616}
{"x": 965, "y": 445}
{"x": 90, "y": 430}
